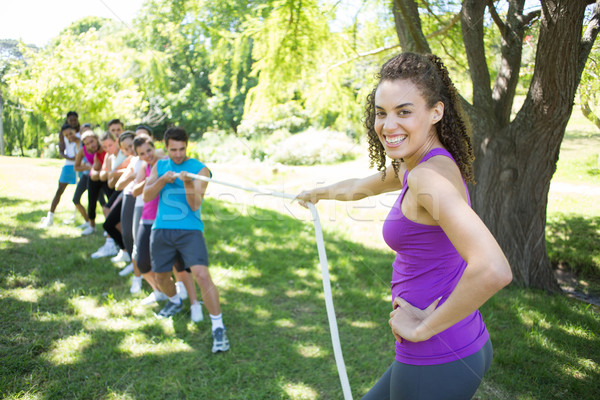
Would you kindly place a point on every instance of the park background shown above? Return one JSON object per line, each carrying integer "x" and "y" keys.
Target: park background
{"x": 272, "y": 92}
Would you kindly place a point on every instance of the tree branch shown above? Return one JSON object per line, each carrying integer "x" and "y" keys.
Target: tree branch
{"x": 444, "y": 29}
{"x": 587, "y": 41}
{"x": 408, "y": 26}
{"x": 472, "y": 14}
{"x": 497, "y": 20}
{"x": 366, "y": 54}
{"x": 526, "y": 19}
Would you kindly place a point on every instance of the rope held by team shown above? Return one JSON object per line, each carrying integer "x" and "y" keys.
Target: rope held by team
{"x": 333, "y": 328}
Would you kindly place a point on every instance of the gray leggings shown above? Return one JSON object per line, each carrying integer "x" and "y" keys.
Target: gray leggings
{"x": 456, "y": 380}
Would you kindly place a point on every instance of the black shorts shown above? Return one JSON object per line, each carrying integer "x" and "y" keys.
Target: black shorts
{"x": 167, "y": 244}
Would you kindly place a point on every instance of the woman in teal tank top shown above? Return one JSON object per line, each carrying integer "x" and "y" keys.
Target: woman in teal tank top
{"x": 447, "y": 262}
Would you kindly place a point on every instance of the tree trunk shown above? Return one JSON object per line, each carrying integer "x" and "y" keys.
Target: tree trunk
{"x": 408, "y": 26}
{"x": 515, "y": 162}
{"x": 1, "y": 126}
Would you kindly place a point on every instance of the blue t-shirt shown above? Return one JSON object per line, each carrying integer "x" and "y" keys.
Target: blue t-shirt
{"x": 174, "y": 211}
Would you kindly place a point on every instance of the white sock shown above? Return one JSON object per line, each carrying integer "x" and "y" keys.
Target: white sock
{"x": 217, "y": 321}
{"x": 138, "y": 278}
{"x": 175, "y": 299}
{"x": 50, "y": 215}
{"x": 110, "y": 240}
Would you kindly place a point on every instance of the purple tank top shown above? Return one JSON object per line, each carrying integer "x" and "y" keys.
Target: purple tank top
{"x": 427, "y": 266}
{"x": 150, "y": 208}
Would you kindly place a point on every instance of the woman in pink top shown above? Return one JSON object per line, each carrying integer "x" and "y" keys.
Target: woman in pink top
{"x": 447, "y": 262}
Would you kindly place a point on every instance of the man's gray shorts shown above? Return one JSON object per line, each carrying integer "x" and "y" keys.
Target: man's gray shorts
{"x": 166, "y": 244}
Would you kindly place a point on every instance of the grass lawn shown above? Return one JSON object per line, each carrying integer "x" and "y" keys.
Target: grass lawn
{"x": 69, "y": 329}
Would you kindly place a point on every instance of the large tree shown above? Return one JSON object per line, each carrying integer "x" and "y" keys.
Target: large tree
{"x": 516, "y": 154}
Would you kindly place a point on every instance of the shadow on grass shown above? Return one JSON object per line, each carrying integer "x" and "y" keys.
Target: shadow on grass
{"x": 70, "y": 328}
{"x": 574, "y": 241}
{"x": 269, "y": 281}
{"x": 544, "y": 346}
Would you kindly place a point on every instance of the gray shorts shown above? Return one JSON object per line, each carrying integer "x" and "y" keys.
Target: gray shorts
{"x": 167, "y": 245}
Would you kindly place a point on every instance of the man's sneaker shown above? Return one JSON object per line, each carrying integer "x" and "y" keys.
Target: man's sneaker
{"x": 46, "y": 222}
{"x": 127, "y": 270}
{"x": 88, "y": 231}
{"x": 154, "y": 297}
{"x": 170, "y": 309}
{"x": 136, "y": 285}
{"x": 196, "y": 311}
{"x": 107, "y": 250}
{"x": 220, "y": 341}
{"x": 121, "y": 256}
{"x": 181, "y": 290}
{"x": 84, "y": 225}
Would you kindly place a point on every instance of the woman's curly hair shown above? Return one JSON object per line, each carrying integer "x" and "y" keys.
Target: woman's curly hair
{"x": 430, "y": 76}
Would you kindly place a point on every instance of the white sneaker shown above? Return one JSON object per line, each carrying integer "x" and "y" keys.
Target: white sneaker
{"x": 154, "y": 297}
{"x": 136, "y": 285}
{"x": 46, "y": 222}
{"x": 196, "y": 311}
{"x": 181, "y": 290}
{"x": 83, "y": 226}
{"x": 121, "y": 256}
{"x": 107, "y": 250}
{"x": 127, "y": 270}
{"x": 88, "y": 231}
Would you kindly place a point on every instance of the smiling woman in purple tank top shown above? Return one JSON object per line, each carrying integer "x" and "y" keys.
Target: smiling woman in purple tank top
{"x": 447, "y": 262}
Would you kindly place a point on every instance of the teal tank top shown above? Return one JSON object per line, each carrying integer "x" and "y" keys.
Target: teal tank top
{"x": 174, "y": 211}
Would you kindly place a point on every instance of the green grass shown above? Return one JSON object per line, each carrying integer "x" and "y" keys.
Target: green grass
{"x": 70, "y": 329}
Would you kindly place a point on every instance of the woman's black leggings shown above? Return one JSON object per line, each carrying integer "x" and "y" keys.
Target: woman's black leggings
{"x": 456, "y": 380}
{"x": 96, "y": 192}
{"x": 127, "y": 221}
{"x": 112, "y": 220}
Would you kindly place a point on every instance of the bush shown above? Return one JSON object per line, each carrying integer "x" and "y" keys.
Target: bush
{"x": 289, "y": 116}
{"x": 220, "y": 147}
{"x": 314, "y": 147}
{"x": 50, "y": 149}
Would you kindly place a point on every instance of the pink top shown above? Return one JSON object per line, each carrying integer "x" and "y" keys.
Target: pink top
{"x": 88, "y": 156}
{"x": 427, "y": 266}
{"x": 150, "y": 208}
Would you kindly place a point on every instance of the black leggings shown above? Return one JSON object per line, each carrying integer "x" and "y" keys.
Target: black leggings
{"x": 142, "y": 246}
{"x": 112, "y": 220}
{"x": 81, "y": 187}
{"x": 127, "y": 207}
{"x": 96, "y": 192}
{"x": 456, "y": 380}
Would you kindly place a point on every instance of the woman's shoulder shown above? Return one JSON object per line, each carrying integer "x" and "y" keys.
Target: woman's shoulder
{"x": 438, "y": 176}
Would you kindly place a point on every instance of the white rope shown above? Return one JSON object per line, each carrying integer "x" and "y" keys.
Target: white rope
{"x": 333, "y": 328}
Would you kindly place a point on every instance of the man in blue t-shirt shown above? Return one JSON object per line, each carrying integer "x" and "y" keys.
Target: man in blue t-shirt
{"x": 177, "y": 232}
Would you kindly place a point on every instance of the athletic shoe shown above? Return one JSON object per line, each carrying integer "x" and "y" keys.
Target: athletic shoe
{"x": 107, "y": 250}
{"x": 220, "y": 341}
{"x": 88, "y": 231}
{"x": 46, "y": 222}
{"x": 181, "y": 290}
{"x": 196, "y": 311}
{"x": 170, "y": 309}
{"x": 136, "y": 285}
{"x": 127, "y": 270}
{"x": 121, "y": 256}
{"x": 83, "y": 226}
{"x": 154, "y": 297}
